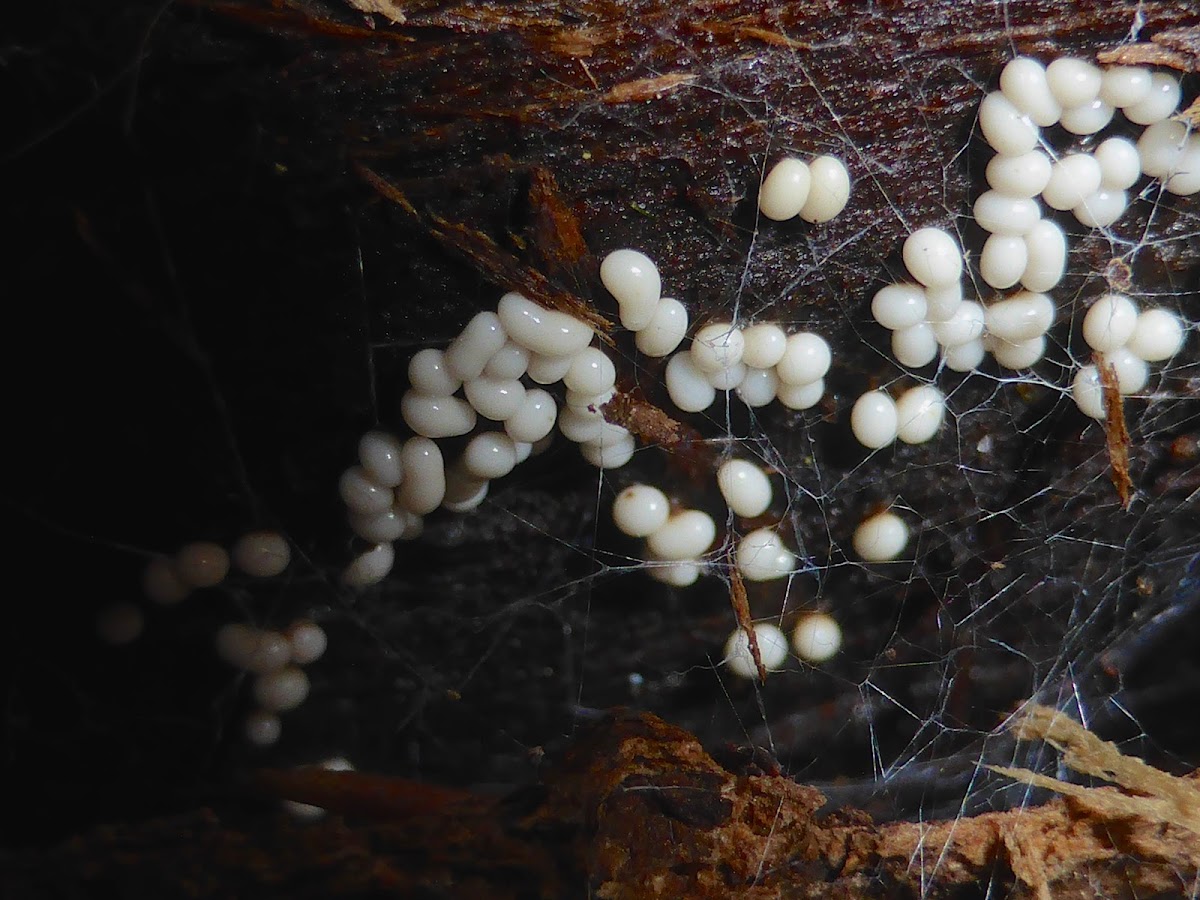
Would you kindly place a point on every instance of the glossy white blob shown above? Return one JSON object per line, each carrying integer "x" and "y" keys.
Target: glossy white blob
{"x": 1158, "y": 335}
{"x": 873, "y": 420}
{"x": 1046, "y": 247}
{"x": 785, "y": 189}
{"x": 252, "y": 649}
{"x": 307, "y": 641}
{"x": 201, "y": 564}
{"x": 941, "y": 302}
{"x": 666, "y": 331}
{"x": 964, "y": 326}
{"x": 772, "y": 651}
{"x": 369, "y": 567}
{"x": 379, "y": 453}
{"x": 965, "y": 357}
{"x": 728, "y": 379}
{"x": 806, "y": 358}
{"x": 1120, "y": 163}
{"x": 468, "y": 353}
{"x": 120, "y": 624}
{"x": 161, "y": 584}
{"x": 427, "y": 373}
{"x": 915, "y": 346}
{"x": 361, "y": 494}
{"x": 379, "y": 527}
{"x": 933, "y": 257}
{"x": 1073, "y": 82}
{"x": 263, "y": 554}
{"x": 1160, "y": 102}
{"x": 510, "y": 361}
{"x": 609, "y": 454}
{"x": 899, "y": 305}
{"x": 762, "y": 556}
{"x": 262, "y": 728}
{"x": 685, "y": 535}
{"x": 534, "y": 419}
{"x": 425, "y": 481}
{"x": 1122, "y": 86}
{"x": 591, "y": 372}
{"x": 717, "y": 346}
{"x": 764, "y": 345}
{"x": 1020, "y": 317}
{"x": 1023, "y": 82}
{"x": 1186, "y": 178}
{"x": 579, "y": 426}
{"x": 1160, "y": 148}
{"x": 919, "y": 414}
{"x": 1088, "y": 392}
{"x": 633, "y": 280}
{"x": 1017, "y": 354}
{"x": 612, "y": 448}
{"x": 745, "y": 487}
{"x": 1019, "y": 176}
{"x": 542, "y": 330}
{"x": 817, "y": 638}
{"x": 490, "y": 455}
{"x": 829, "y": 191}
{"x": 1002, "y": 213}
{"x": 687, "y": 386}
{"x": 1132, "y": 371}
{"x": 676, "y": 574}
{"x": 1006, "y": 130}
{"x": 758, "y": 387}
{"x": 1110, "y": 322}
{"x": 282, "y": 690}
{"x": 880, "y": 538}
{"x": 591, "y": 405}
{"x": 1101, "y": 208}
{"x": 436, "y": 417}
{"x": 548, "y": 369}
{"x": 640, "y": 510}
{"x": 1088, "y": 118}
{"x": 801, "y": 396}
{"x": 464, "y": 492}
{"x": 1003, "y": 260}
{"x": 412, "y": 525}
{"x": 1071, "y": 179}
{"x": 495, "y": 398}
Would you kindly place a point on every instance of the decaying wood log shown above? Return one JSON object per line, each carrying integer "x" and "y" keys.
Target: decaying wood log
{"x": 636, "y": 809}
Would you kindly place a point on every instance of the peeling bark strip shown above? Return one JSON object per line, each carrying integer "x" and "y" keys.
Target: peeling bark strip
{"x": 687, "y": 449}
{"x": 741, "y": 610}
{"x": 647, "y": 88}
{"x": 482, "y": 252}
{"x": 1175, "y": 48}
{"x": 635, "y": 808}
{"x": 1115, "y": 433}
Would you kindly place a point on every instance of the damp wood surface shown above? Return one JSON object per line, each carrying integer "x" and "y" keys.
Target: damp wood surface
{"x": 332, "y": 184}
{"x": 636, "y": 808}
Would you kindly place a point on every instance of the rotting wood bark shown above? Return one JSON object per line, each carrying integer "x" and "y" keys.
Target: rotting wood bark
{"x": 636, "y": 809}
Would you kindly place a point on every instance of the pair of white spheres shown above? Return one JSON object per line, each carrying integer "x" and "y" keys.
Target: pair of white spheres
{"x": 816, "y": 638}
{"x": 877, "y": 421}
{"x": 816, "y": 191}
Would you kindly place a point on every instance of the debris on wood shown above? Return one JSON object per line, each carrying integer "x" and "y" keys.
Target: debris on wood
{"x": 1115, "y": 432}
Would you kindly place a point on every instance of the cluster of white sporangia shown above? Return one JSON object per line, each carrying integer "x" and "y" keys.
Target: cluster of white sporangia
{"x": 500, "y": 356}
{"x": 274, "y": 657}
{"x": 1029, "y": 253}
{"x": 168, "y": 580}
